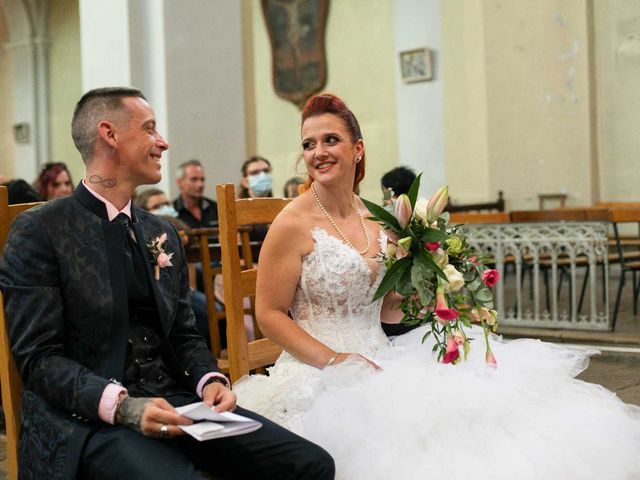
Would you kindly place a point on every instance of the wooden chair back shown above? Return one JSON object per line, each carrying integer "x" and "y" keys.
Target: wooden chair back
{"x": 208, "y": 253}
{"x": 479, "y": 218}
{"x": 10, "y": 381}
{"x": 239, "y": 283}
{"x": 203, "y": 238}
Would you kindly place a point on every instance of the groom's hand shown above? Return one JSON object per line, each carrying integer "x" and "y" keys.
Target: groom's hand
{"x": 149, "y": 415}
{"x": 218, "y": 395}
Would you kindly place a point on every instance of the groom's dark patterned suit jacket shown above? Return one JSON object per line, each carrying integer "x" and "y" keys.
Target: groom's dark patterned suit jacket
{"x": 63, "y": 278}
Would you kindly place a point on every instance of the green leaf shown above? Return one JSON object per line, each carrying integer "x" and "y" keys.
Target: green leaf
{"x": 380, "y": 214}
{"x": 433, "y": 235}
{"x": 483, "y": 295}
{"x": 413, "y": 191}
{"x": 430, "y": 264}
{"x": 473, "y": 286}
{"x": 392, "y": 276}
{"x": 426, "y": 335}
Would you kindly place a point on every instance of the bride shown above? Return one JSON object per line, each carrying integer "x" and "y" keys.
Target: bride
{"x": 391, "y": 411}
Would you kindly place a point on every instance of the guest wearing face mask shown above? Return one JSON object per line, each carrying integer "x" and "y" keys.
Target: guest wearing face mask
{"x": 256, "y": 182}
{"x": 155, "y": 201}
{"x": 256, "y": 178}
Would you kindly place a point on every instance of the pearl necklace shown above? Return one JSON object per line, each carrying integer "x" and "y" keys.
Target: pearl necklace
{"x": 344, "y": 238}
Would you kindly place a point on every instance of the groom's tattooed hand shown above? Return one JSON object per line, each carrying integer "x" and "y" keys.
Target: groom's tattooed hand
{"x": 130, "y": 412}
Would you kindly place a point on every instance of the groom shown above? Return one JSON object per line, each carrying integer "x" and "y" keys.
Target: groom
{"x": 102, "y": 332}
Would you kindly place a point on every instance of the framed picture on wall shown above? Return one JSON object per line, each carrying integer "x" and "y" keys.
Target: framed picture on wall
{"x": 415, "y": 65}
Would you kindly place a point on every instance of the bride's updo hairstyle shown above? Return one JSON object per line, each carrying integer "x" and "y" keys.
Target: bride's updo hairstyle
{"x": 329, "y": 103}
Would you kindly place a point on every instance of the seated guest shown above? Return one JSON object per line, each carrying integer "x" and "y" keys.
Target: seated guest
{"x": 20, "y": 191}
{"x": 291, "y": 187}
{"x": 396, "y": 182}
{"x": 256, "y": 178}
{"x": 103, "y": 334}
{"x": 155, "y": 201}
{"x": 54, "y": 181}
{"x": 192, "y": 206}
{"x": 256, "y": 183}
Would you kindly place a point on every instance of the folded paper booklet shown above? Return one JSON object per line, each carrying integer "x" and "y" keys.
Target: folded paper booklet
{"x": 209, "y": 424}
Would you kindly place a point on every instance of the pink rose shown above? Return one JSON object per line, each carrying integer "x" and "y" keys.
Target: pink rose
{"x": 432, "y": 246}
{"x": 490, "y": 277}
{"x": 164, "y": 260}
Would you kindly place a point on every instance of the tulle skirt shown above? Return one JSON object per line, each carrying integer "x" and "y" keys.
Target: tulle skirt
{"x": 529, "y": 418}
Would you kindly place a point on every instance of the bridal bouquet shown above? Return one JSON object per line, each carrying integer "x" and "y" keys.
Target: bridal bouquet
{"x": 443, "y": 283}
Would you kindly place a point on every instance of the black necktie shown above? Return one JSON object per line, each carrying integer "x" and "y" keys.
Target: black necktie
{"x": 125, "y": 223}
{"x": 137, "y": 279}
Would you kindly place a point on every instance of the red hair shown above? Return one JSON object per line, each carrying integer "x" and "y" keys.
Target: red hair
{"x": 47, "y": 177}
{"x": 328, "y": 103}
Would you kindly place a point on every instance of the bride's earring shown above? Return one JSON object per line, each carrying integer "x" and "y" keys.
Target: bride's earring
{"x": 358, "y": 159}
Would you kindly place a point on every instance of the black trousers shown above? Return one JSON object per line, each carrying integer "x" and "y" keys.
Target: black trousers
{"x": 271, "y": 452}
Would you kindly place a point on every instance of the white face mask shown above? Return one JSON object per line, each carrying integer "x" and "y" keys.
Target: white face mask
{"x": 261, "y": 184}
{"x": 165, "y": 210}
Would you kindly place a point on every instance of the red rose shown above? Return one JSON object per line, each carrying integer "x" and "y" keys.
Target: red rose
{"x": 490, "y": 277}
{"x": 431, "y": 246}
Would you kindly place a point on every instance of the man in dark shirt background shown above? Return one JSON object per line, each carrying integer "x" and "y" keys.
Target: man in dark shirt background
{"x": 192, "y": 206}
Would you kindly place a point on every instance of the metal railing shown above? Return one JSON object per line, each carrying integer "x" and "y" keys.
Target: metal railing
{"x": 554, "y": 275}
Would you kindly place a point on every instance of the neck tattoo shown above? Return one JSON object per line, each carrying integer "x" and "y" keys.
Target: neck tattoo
{"x": 333, "y": 223}
{"x": 107, "y": 182}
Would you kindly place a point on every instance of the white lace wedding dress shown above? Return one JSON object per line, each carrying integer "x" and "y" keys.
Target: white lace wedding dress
{"x": 527, "y": 419}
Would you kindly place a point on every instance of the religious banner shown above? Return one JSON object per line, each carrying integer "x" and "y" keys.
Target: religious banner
{"x": 296, "y": 30}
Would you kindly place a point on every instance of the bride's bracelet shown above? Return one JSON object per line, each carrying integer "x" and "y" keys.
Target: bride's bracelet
{"x": 332, "y": 360}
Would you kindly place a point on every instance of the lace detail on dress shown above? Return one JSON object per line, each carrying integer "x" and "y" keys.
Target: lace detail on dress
{"x": 333, "y": 298}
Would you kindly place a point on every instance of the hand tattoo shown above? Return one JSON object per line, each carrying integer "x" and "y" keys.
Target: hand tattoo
{"x": 130, "y": 412}
{"x": 107, "y": 182}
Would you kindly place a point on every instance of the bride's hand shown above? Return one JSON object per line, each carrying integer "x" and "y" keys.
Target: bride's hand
{"x": 343, "y": 356}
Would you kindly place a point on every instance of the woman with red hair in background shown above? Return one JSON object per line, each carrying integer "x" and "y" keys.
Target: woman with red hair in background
{"x": 54, "y": 181}
{"x": 415, "y": 418}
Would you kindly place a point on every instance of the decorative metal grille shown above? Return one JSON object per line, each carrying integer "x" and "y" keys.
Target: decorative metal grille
{"x": 554, "y": 275}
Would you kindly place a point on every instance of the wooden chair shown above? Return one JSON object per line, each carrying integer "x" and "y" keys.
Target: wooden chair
{"x": 204, "y": 255}
{"x": 628, "y": 255}
{"x": 244, "y": 356}
{"x": 207, "y": 250}
{"x": 10, "y": 381}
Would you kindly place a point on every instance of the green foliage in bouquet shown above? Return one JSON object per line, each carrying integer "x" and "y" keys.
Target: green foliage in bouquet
{"x": 442, "y": 281}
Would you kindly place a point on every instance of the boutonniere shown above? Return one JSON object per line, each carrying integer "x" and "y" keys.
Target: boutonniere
{"x": 159, "y": 257}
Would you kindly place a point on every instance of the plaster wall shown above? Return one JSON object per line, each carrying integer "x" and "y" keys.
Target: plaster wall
{"x": 6, "y": 125}
{"x": 361, "y": 69}
{"x": 65, "y": 82}
{"x": 617, "y": 33}
{"x": 420, "y": 121}
{"x": 204, "y": 88}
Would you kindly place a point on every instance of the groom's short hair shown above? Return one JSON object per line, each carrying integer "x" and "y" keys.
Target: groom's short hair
{"x": 96, "y": 105}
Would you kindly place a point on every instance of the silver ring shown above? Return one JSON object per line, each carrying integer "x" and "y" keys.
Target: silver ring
{"x": 164, "y": 431}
